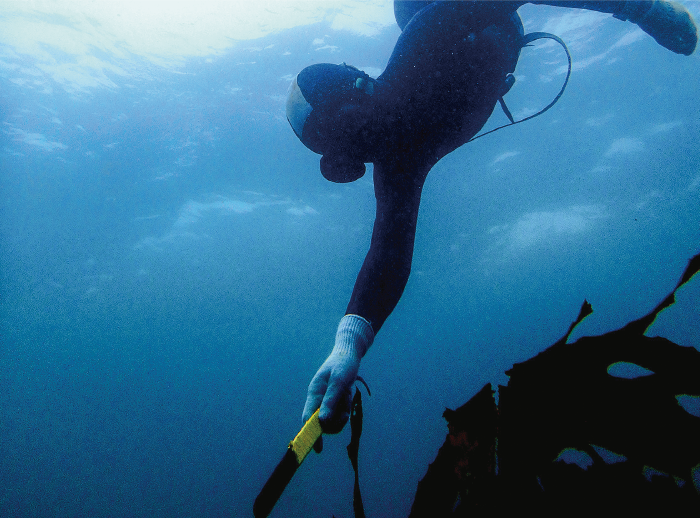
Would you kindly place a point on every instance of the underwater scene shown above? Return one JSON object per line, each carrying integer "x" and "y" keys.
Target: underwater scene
{"x": 173, "y": 265}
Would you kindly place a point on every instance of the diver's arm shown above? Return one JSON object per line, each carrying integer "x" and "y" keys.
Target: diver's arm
{"x": 378, "y": 288}
{"x": 385, "y": 271}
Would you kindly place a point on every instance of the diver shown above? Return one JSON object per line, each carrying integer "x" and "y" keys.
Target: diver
{"x": 451, "y": 64}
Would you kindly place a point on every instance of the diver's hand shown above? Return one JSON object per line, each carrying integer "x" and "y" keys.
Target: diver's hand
{"x": 332, "y": 387}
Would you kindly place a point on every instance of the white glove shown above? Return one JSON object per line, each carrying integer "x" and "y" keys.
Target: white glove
{"x": 332, "y": 388}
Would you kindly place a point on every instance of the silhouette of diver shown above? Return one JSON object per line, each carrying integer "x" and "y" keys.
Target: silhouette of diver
{"x": 448, "y": 69}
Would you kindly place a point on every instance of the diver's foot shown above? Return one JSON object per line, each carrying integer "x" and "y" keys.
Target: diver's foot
{"x": 669, "y": 23}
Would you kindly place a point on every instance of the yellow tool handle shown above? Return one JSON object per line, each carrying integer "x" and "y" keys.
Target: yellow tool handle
{"x": 306, "y": 438}
{"x": 297, "y": 450}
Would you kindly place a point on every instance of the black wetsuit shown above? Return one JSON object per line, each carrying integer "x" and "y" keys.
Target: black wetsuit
{"x": 441, "y": 84}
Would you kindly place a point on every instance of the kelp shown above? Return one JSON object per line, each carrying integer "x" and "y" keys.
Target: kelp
{"x": 570, "y": 436}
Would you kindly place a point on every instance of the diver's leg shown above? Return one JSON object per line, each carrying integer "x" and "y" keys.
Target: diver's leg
{"x": 669, "y": 23}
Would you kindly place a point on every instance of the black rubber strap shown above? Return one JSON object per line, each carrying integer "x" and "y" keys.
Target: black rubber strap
{"x": 354, "y": 449}
{"x": 528, "y": 39}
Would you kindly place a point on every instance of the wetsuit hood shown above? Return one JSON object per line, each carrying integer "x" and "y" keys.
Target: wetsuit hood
{"x": 320, "y": 108}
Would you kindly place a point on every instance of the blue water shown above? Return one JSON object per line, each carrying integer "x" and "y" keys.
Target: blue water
{"x": 173, "y": 266}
